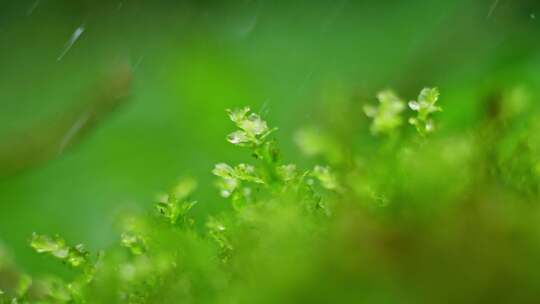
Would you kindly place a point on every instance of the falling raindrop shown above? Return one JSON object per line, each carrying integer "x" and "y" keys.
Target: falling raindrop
{"x": 74, "y": 37}
{"x": 264, "y": 108}
{"x": 72, "y": 132}
{"x": 33, "y": 7}
{"x": 137, "y": 63}
{"x": 492, "y": 8}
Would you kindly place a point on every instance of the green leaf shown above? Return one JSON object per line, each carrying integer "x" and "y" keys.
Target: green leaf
{"x": 227, "y": 186}
{"x": 425, "y": 107}
{"x": 175, "y": 206}
{"x": 224, "y": 171}
{"x": 327, "y": 179}
{"x": 77, "y": 256}
{"x": 57, "y": 247}
{"x": 133, "y": 242}
{"x": 238, "y": 115}
{"x": 253, "y": 124}
{"x": 252, "y": 128}
{"x": 247, "y": 173}
{"x": 45, "y": 244}
{"x": 238, "y": 138}
{"x": 429, "y": 95}
{"x": 387, "y": 116}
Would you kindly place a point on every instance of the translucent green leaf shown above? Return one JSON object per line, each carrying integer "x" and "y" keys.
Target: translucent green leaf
{"x": 223, "y": 170}
{"x": 238, "y": 115}
{"x": 247, "y": 173}
{"x": 227, "y": 186}
{"x": 327, "y": 179}
{"x": 429, "y": 95}
{"x": 425, "y": 107}
{"x": 387, "y": 116}
{"x": 45, "y": 244}
{"x": 77, "y": 256}
{"x": 253, "y": 124}
{"x": 238, "y": 138}
{"x": 133, "y": 242}
{"x": 252, "y": 128}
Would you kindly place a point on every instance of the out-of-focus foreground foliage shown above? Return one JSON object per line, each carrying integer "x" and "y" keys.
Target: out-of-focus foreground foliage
{"x": 419, "y": 218}
{"x": 371, "y": 195}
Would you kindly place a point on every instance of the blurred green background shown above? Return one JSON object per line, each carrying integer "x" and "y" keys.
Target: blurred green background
{"x": 292, "y": 61}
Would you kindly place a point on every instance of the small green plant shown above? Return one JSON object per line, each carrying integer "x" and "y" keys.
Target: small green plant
{"x": 74, "y": 256}
{"x": 387, "y": 115}
{"x": 153, "y": 258}
{"x": 371, "y": 228}
{"x": 175, "y": 205}
{"x": 271, "y": 178}
{"x": 425, "y": 107}
{"x": 252, "y": 129}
